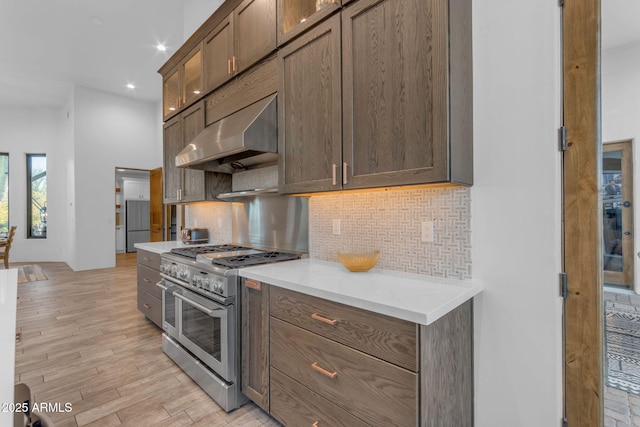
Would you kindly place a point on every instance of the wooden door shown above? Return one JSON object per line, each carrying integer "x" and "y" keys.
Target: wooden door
{"x": 582, "y": 233}
{"x": 218, "y": 54}
{"x": 310, "y": 112}
{"x": 172, "y": 142}
{"x": 193, "y": 180}
{"x": 255, "y": 342}
{"x": 395, "y": 68}
{"x": 617, "y": 213}
{"x": 255, "y": 31}
{"x": 155, "y": 205}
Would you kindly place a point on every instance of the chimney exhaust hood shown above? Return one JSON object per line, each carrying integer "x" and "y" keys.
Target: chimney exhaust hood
{"x": 246, "y": 138}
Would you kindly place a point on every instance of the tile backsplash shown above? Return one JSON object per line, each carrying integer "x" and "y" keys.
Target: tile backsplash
{"x": 216, "y": 216}
{"x": 266, "y": 177}
{"x": 391, "y": 221}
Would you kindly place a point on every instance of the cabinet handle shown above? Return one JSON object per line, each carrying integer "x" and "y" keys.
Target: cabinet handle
{"x": 323, "y": 371}
{"x": 228, "y": 66}
{"x": 335, "y": 170}
{"x": 146, "y": 280}
{"x": 253, "y": 284}
{"x": 331, "y": 322}
{"x": 315, "y": 424}
{"x": 344, "y": 173}
{"x": 147, "y": 306}
{"x": 234, "y": 61}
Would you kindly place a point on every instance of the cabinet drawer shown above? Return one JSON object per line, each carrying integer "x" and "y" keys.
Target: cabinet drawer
{"x": 150, "y": 259}
{"x": 373, "y": 390}
{"x": 295, "y": 405}
{"x": 391, "y": 339}
{"x": 150, "y": 306}
{"x": 147, "y": 279}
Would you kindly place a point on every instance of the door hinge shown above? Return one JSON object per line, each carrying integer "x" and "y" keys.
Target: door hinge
{"x": 565, "y": 423}
{"x": 562, "y": 138}
{"x": 563, "y": 285}
{"x": 561, "y": 3}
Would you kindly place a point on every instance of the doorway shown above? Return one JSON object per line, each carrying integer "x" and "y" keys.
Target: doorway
{"x": 132, "y": 195}
{"x": 617, "y": 213}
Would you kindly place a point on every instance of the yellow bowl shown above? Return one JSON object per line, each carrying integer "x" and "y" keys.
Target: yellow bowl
{"x": 358, "y": 260}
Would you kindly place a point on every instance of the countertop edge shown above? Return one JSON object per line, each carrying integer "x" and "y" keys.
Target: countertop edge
{"x": 468, "y": 290}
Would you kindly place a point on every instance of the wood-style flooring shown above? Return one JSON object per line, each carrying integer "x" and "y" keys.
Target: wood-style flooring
{"x": 84, "y": 342}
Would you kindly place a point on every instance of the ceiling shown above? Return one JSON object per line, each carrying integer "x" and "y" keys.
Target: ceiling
{"x": 46, "y": 46}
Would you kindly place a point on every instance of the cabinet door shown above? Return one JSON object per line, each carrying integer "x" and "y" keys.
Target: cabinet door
{"x": 192, "y": 77}
{"x": 255, "y": 342}
{"x": 218, "y": 53}
{"x": 309, "y": 111}
{"x": 395, "y": 92}
{"x": 171, "y": 93}
{"x": 297, "y": 16}
{"x": 255, "y": 31}
{"x": 193, "y": 179}
{"x": 172, "y": 145}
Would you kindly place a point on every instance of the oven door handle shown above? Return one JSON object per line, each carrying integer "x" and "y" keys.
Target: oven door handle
{"x": 161, "y": 285}
{"x": 201, "y": 307}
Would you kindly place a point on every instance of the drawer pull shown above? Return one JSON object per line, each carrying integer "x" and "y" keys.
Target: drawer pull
{"x": 146, "y": 280}
{"x": 315, "y": 424}
{"x": 331, "y": 322}
{"x": 323, "y": 371}
{"x": 147, "y": 306}
{"x": 253, "y": 284}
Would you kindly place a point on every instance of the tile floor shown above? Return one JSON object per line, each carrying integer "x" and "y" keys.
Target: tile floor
{"x": 621, "y": 409}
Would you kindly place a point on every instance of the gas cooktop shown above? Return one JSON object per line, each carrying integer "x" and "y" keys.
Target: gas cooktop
{"x": 233, "y": 256}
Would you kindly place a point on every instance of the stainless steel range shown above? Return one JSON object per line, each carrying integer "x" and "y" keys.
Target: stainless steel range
{"x": 201, "y": 299}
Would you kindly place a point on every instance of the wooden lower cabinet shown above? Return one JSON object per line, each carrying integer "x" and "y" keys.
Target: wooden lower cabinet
{"x": 149, "y": 295}
{"x": 296, "y": 405}
{"x": 313, "y": 362}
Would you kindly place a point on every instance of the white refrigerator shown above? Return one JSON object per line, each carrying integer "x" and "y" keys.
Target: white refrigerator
{"x": 136, "y": 223}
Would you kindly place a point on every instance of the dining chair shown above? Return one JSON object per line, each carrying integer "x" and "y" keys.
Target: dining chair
{"x": 5, "y": 246}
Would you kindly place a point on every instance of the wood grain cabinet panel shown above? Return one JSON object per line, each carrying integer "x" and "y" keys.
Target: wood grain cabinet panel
{"x": 218, "y": 51}
{"x": 149, "y": 295}
{"x": 371, "y": 389}
{"x": 184, "y": 184}
{"x": 296, "y": 405}
{"x": 310, "y": 111}
{"x": 388, "y": 338}
{"x": 297, "y": 16}
{"x": 255, "y": 342}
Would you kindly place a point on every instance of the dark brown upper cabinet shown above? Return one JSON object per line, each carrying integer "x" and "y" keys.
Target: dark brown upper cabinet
{"x": 243, "y": 38}
{"x": 297, "y": 16}
{"x": 405, "y": 111}
{"x": 407, "y": 92}
{"x": 183, "y": 85}
{"x": 310, "y": 111}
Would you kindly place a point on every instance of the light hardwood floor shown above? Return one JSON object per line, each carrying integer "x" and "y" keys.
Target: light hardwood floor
{"x": 84, "y": 342}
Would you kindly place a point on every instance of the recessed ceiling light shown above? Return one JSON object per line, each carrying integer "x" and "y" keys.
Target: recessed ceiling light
{"x": 131, "y": 86}
{"x": 161, "y": 47}
{"x": 96, "y": 21}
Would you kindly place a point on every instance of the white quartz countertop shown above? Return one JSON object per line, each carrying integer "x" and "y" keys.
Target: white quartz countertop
{"x": 162, "y": 247}
{"x": 416, "y": 298}
{"x": 8, "y": 301}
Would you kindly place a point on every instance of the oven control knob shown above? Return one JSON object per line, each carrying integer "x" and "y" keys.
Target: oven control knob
{"x": 183, "y": 273}
{"x": 194, "y": 279}
{"x": 205, "y": 284}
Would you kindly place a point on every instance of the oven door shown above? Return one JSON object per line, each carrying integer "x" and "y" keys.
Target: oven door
{"x": 169, "y": 308}
{"x": 206, "y": 329}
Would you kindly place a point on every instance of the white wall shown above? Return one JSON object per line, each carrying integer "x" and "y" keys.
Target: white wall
{"x": 109, "y": 131}
{"x": 516, "y": 213}
{"x": 620, "y": 112}
{"x": 196, "y": 12}
{"x": 35, "y": 130}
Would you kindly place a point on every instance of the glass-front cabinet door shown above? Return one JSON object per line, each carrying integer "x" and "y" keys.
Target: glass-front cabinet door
{"x": 296, "y": 16}
{"x": 192, "y": 77}
{"x": 617, "y": 206}
{"x": 171, "y": 93}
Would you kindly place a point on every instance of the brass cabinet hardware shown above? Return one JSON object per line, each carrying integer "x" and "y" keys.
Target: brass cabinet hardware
{"x": 335, "y": 168}
{"x": 344, "y": 173}
{"x": 315, "y": 424}
{"x": 253, "y": 284}
{"x": 229, "y": 66}
{"x": 323, "y": 319}
{"x": 147, "y": 306}
{"x": 146, "y": 280}
{"x": 323, "y": 371}
{"x": 234, "y": 61}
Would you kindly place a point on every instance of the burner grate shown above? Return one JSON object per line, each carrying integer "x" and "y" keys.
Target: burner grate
{"x": 194, "y": 251}
{"x": 254, "y": 259}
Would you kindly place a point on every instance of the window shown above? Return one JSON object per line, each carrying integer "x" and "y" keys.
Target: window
{"x": 37, "y": 196}
{"x": 4, "y": 194}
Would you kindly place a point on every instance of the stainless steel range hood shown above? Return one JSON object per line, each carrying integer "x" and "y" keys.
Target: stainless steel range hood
{"x": 243, "y": 139}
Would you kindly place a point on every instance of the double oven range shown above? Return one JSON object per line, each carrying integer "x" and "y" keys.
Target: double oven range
{"x": 201, "y": 313}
